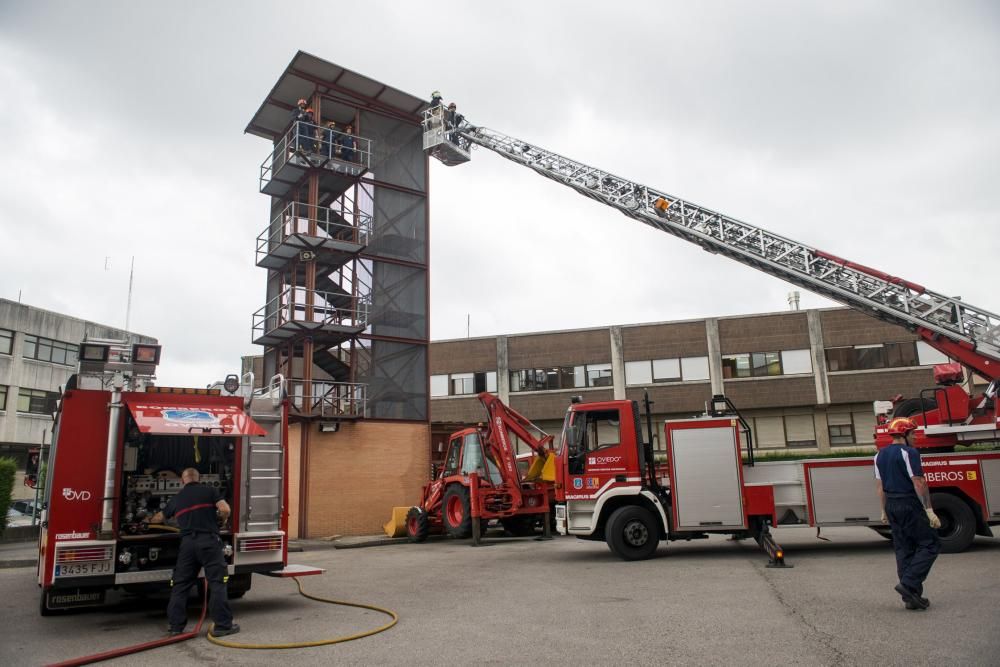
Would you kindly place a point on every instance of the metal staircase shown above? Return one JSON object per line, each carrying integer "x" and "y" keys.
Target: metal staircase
{"x": 873, "y": 292}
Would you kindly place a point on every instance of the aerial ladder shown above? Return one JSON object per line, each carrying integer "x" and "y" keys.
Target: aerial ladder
{"x": 969, "y": 335}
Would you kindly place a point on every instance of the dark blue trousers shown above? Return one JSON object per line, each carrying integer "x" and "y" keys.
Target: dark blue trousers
{"x": 916, "y": 543}
{"x": 201, "y": 550}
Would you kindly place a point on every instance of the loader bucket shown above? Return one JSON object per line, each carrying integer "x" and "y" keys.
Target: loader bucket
{"x": 396, "y": 526}
{"x": 542, "y": 468}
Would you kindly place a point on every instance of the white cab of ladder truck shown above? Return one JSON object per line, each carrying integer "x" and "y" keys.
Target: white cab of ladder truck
{"x": 118, "y": 449}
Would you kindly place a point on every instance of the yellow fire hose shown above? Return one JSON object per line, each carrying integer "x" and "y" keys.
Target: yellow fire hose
{"x": 321, "y": 642}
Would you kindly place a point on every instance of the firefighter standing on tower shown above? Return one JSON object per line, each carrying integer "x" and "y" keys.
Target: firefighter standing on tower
{"x": 194, "y": 508}
{"x": 906, "y": 507}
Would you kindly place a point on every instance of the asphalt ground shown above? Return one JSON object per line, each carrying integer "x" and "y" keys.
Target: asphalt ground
{"x": 570, "y": 602}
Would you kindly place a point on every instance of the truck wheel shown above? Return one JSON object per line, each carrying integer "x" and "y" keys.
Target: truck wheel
{"x": 519, "y": 526}
{"x": 455, "y": 513}
{"x": 958, "y": 525}
{"x": 43, "y": 608}
{"x": 238, "y": 585}
{"x": 417, "y": 527}
{"x": 632, "y": 533}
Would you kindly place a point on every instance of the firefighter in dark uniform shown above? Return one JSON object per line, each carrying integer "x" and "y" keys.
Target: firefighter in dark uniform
{"x": 198, "y": 510}
{"x": 906, "y": 507}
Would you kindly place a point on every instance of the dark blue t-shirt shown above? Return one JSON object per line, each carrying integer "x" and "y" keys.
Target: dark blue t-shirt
{"x": 895, "y": 465}
{"x": 194, "y": 507}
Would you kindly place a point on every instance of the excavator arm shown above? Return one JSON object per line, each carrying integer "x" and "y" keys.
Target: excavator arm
{"x": 504, "y": 421}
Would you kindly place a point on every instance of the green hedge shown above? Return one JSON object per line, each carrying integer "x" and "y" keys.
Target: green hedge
{"x": 8, "y": 468}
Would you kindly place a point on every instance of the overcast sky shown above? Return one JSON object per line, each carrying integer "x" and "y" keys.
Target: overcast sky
{"x": 868, "y": 129}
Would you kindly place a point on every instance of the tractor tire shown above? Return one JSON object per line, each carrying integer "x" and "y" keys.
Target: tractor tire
{"x": 632, "y": 533}
{"x": 456, "y": 514}
{"x": 913, "y": 406}
{"x": 520, "y": 526}
{"x": 958, "y": 524}
{"x": 417, "y": 526}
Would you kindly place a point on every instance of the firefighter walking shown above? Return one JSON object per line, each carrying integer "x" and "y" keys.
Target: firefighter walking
{"x": 906, "y": 507}
{"x": 195, "y": 508}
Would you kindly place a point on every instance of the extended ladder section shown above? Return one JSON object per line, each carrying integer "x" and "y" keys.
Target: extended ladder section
{"x": 264, "y": 465}
{"x": 934, "y": 316}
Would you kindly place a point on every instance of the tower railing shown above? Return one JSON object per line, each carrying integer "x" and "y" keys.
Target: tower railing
{"x": 328, "y": 399}
{"x": 300, "y": 306}
{"x": 316, "y": 221}
{"x": 307, "y": 145}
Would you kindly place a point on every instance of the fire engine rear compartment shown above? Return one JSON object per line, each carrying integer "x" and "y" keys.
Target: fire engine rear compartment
{"x": 152, "y": 467}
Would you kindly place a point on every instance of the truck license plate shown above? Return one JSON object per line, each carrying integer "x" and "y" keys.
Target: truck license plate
{"x": 83, "y": 569}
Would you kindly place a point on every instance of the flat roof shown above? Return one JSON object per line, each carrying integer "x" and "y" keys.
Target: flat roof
{"x": 306, "y": 73}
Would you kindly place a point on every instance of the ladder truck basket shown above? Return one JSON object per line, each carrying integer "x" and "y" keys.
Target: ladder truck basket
{"x": 442, "y": 141}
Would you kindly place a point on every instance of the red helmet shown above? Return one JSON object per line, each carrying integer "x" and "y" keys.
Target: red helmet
{"x": 901, "y": 426}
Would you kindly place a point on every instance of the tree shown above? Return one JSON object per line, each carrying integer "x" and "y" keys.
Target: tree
{"x": 8, "y": 468}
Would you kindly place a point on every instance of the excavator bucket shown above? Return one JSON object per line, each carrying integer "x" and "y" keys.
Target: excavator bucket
{"x": 396, "y": 526}
{"x": 543, "y": 469}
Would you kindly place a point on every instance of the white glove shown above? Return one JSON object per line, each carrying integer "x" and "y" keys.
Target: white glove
{"x": 885, "y": 519}
{"x": 933, "y": 518}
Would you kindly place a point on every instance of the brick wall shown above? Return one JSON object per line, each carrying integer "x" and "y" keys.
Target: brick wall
{"x": 294, "y": 479}
{"x": 463, "y": 356}
{"x": 463, "y": 410}
{"x": 671, "y": 399}
{"x": 879, "y": 385}
{"x": 559, "y": 349}
{"x": 771, "y": 392}
{"x": 553, "y": 404}
{"x": 358, "y": 474}
{"x": 764, "y": 333}
{"x": 849, "y": 327}
{"x": 664, "y": 341}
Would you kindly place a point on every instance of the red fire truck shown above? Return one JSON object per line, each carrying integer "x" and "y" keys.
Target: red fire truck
{"x": 613, "y": 490}
{"x": 118, "y": 448}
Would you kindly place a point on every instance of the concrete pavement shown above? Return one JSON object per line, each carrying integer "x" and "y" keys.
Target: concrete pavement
{"x": 571, "y": 602}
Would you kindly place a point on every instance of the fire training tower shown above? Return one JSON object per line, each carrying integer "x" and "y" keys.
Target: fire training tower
{"x": 345, "y": 318}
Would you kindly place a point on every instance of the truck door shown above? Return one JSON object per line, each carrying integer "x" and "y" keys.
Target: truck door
{"x": 596, "y": 451}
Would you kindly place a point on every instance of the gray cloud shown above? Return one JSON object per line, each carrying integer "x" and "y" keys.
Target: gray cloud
{"x": 867, "y": 129}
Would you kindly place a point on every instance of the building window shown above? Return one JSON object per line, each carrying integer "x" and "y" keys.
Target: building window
{"x": 751, "y": 364}
{"x": 439, "y": 385}
{"x": 463, "y": 384}
{"x": 872, "y": 357}
{"x": 3, "y": 397}
{"x": 928, "y": 356}
{"x": 561, "y": 377}
{"x": 599, "y": 375}
{"x": 796, "y": 362}
{"x": 46, "y": 349}
{"x": 36, "y": 401}
{"x": 841, "y": 429}
{"x": 769, "y": 432}
{"x": 666, "y": 370}
{"x": 638, "y": 372}
{"x": 6, "y": 341}
{"x": 800, "y": 431}
{"x": 694, "y": 368}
